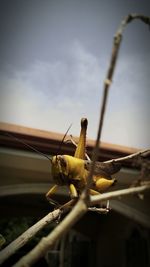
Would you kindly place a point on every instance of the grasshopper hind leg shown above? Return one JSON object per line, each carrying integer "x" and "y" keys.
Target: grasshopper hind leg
{"x": 102, "y": 209}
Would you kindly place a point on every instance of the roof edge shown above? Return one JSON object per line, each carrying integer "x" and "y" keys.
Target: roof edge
{"x": 49, "y": 141}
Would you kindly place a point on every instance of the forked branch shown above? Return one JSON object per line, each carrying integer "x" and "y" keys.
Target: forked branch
{"x": 82, "y": 205}
{"x": 28, "y": 235}
{"x": 78, "y": 211}
{"x": 52, "y": 216}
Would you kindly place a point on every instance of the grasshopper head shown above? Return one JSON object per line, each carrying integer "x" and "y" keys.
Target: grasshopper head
{"x": 66, "y": 169}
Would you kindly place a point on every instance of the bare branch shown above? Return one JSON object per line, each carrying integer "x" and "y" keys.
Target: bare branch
{"x": 27, "y": 235}
{"x": 143, "y": 153}
{"x": 33, "y": 230}
{"x": 47, "y": 242}
{"x": 119, "y": 193}
{"x": 77, "y": 212}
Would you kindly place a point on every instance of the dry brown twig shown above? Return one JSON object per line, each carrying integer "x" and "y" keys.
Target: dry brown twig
{"x": 27, "y": 235}
{"x": 52, "y": 216}
{"x": 82, "y": 205}
{"x": 134, "y": 155}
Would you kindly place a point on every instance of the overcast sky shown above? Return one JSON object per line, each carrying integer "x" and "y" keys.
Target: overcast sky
{"x": 54, "y": 57}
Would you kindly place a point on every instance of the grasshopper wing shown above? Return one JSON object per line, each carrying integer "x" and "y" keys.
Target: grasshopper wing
{"x": 104, "y": 169}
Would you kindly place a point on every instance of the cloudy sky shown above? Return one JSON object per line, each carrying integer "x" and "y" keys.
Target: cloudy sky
{"x": 54, "y": 56}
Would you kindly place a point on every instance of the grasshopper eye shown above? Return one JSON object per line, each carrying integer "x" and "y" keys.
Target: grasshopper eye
{"x": 87, "y": 164}
{"x": 63, "y": 162}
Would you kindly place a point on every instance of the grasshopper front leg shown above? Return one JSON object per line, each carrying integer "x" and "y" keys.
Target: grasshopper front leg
{"x": 73, "y": 191}
{"x": 50, "y": 193}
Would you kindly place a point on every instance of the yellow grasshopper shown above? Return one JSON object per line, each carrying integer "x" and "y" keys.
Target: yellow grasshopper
{"x": 73, "y": 171}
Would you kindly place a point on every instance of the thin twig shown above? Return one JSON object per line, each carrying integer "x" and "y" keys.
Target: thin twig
{"x": 119, "y": 193}
{"x": 78, "y": 211}
{"x": 33, "y": 230}
{"x": 47, "y": 242}
{"x": 27, "y": 235}
{"x": 131, "y": 156}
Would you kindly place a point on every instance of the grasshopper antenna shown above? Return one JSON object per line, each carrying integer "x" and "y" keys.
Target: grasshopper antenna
{"x": 59, "y": 148}
{"x": 31, "y": 147}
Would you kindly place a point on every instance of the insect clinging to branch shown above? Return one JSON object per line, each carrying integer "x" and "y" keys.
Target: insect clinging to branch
{"x": 73, "y": 171}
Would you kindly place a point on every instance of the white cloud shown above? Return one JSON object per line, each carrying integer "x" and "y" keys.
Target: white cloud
{"x": 51, "y": 95}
